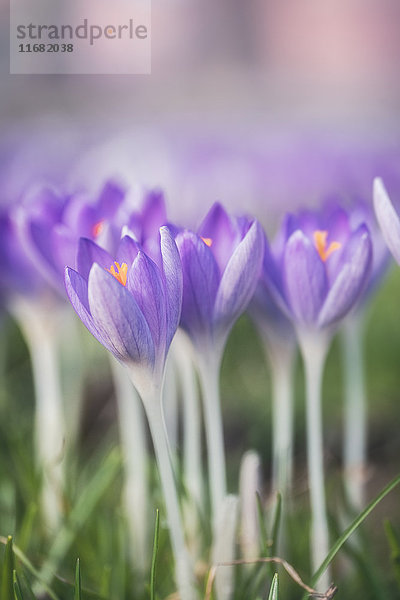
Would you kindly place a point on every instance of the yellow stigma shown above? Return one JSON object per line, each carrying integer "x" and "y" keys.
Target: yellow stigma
{"x": 207, "y": 241}
{"x": 320, "y": 241}
{"x": 97, "y": 229}
{"x": 121, "y": 273}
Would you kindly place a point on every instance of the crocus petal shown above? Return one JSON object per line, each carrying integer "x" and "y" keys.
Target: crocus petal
{"x": 37, "y": 245}
{"x": 173, "y": 281}
{"x": 154, "y": 214}
{"x": 338, "y": 224}
{"x": 239, "y": 279}
{"x": 110, "y": 199}
{"x": 65, "y": 247}
{"x": 351, "y": 280}
{"x": 144, "y": 281}
{"x": 79, "y": 216}
{"x": 119, "y": 319}
{"x": 77, "y": 291}
{"x": 305, "y": 278}
{"x": 387, "y": 218}
{"x": 127, "y": 250}
{"x": 89, "y": 253}
{"x": 218, "y": 228}
{"x": 145, "y": 224}
{"x": 307, "y": 221}
{"x": 200, "y": 284}
{"x": 41, "y": 243}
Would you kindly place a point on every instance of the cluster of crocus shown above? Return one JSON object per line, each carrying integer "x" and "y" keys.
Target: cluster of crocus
{"x": 134, "y": 279}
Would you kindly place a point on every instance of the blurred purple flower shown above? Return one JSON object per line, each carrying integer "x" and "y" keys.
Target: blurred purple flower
{"x": 221, "y": 266}
{"x": 16, "y": 273}
{"x": 127, "y": 302}
{"x": 50, "y": 226}
{"x": 143, "y": 225}
{"x": 318, "y": 268}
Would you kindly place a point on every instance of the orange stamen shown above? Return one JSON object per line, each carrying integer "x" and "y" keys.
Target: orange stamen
{"x": 121, "y": 273}
{"x": 320, "y": 240}
{"x": 97, "y": 229}
{"x": 207, "y": 241}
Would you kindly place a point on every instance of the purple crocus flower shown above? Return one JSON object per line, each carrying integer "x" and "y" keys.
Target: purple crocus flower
{"x": 127, "y": 302}
{"x": 50, "y": 225}
{"x": 221, "y": 264}
{"x": 318, "y": 267}
{"x": 316, "y": 270}
{"x": 132, "y": 306}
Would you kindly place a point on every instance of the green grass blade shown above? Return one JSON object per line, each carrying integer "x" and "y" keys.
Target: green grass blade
{"x": 7, "y": 585}
{"x": 24, "y": 560}
{"x": 356, "y": 523}
{"x": 263, "y": 529}
{"x": 363, "y": 562}
{"x": 25, "y": 533}
{"x": 273, "y": 592}
{"x": 77, "y": 590}
{"x": 80, "y": 513}
{"x": 253, "y": 582}
{"x": 276, "y": 524}
{"x": 17, "y": 590}
{"x": 394, "y": 545}
{"x": 28, "y": 594}
{"x": 105, "y": 581}
{"x": 154, "y": 557}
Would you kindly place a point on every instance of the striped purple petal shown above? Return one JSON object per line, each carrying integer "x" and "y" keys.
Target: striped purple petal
{"x": 351, "y": 279}
{"x": 77, "y": 291}
{"x": 173, "y": 281}
{"x": 219, "y": 228}
{"x": 200, "y": 284}
{"x": 145, "y": 283}
{"x": 118, "y": 318}
{"x": 239, "y": 279}
{"x": 89, "y": 253}
{"x": 304, "y": 278}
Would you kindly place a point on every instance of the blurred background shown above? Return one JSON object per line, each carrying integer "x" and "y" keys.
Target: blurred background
{"x": 260, "y": 102}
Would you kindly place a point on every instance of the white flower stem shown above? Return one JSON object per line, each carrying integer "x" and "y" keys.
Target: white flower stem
{"x": 355, "y": 420}
{"x": 281, "y": 359}
{"x": 249, "y": 486}
{"x": 40, "y": 331}
{"x": 314, "y": 347}
{"x": 183, "y": 569}
{"x": 72, "y": 369}
{"x": 209, "y": 380}
{"x": 224, "y": 547}
{"x": 191, "y": 420}
{"x": 170, "y": 403}
{"x": 132, "y": 428}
